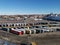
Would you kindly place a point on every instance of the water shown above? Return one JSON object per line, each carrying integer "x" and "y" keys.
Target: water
{"x": 3, "y": 42}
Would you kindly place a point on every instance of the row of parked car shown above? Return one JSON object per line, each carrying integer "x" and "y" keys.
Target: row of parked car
{"x": 29, "y": 30}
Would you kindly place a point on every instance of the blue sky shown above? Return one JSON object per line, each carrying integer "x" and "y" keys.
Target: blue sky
{"x": 29, "y": 6}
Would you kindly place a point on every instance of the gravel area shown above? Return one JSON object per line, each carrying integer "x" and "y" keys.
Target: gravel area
{"x": 52, "y": 38}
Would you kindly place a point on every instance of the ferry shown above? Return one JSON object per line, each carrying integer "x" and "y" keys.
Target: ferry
{"x": 52, "y": 17}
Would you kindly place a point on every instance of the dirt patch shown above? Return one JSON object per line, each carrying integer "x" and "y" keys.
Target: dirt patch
{"x": 40, "y": 39}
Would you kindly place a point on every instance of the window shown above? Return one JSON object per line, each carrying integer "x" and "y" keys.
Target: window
{"x": 0, "y": 25}
{"x": 12, "y": 24}
{"x": 3, "y": 25}
{"x": 6, "y": 25}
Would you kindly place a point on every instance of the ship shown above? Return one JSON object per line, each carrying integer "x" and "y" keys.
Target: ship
{"x": 52, "y": 17}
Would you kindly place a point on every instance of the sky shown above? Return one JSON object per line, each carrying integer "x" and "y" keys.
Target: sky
{"x": 29, "y": 6}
